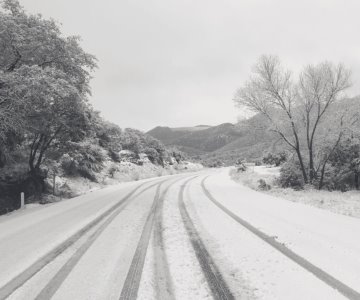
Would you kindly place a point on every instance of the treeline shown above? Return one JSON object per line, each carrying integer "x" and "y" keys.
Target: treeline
{"x": 317, "y": 124}
{"x": 46, "y": 120}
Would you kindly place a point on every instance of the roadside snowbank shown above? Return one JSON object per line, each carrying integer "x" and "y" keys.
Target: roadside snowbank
{"x": 345, "y": 203}
{"x": 114, "y": 173}
{"x": 67, "y": 187}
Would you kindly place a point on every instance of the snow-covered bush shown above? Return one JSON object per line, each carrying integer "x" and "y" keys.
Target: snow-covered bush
{"x": 290, "y": 175}
{"x": 152, "y": 155}
{"x": 240, "y": 166}
{"x": 274, "y": 158}
{"x": 258, "y": 163}
{"x": 263, "y": 185}
{"x": 113, "y": 169}
{"x": 84, "y": 159}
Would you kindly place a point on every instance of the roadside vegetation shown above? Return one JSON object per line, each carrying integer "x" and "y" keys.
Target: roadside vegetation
{"x": 318, "y": 125}
{"x": 266, "y": 179}
{"x": 48, "y": 127}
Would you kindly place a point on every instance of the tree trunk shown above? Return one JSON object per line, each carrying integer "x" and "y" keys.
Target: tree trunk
{"x": 312, "y": 173}
{"x": 302, "y": 166}
{"x": 356, "y": 180}
{"x": 37, "y": 179}
{"x": 297, "y": 148}
{"x": 321, "y": 182}
{"x": 2, "y": 159}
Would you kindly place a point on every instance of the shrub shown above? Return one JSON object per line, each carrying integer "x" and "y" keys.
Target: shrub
{"x": 84, "y": 159}
{"x": 275, "y": 159}
{"x": 338, "y": 178}
{"x": 212, "y": 163}
{"x": 263, "y": 185}
{"x": 290, "y": 175}
{"x": 258, "y": 163}
{"x": 115, "y": 156}
{"x": 241, "y": 168}
{"x": 178, "y": 155}
{"x": 343, "y": 170}
{"x": 152, "y": 155}
{"x": 112, "y": 170}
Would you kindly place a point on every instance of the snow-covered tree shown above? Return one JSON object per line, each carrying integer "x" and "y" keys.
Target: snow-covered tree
{"x": 44, "y": 83}
{"x": 295, "y": 109}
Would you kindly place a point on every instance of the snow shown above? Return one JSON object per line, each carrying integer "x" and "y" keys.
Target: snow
{"x": 189, "y": 282}
{"x": 32, "y": 287}
{"x": 27, "y": 235}
{"x": 345, "y": 203}
{"x": 266, "y": 170}
{"x": 111, "y": 253}
{"x": 199, "y": 208}
{"x": 147, "y": 285}
{"x": 126, "y": 152}
{"x": 250, "y": 266}
{"x": 326, "y": 239}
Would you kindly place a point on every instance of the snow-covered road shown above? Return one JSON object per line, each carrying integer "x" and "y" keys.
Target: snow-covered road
{"x": 188, "y": 236}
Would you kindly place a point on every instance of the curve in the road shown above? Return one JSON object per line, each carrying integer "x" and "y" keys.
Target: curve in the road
{"x": 53, "y": 285}
{"x": 38, "y": 265}
{"x": 344, "y": 289}
{"x": 215, "y": 280}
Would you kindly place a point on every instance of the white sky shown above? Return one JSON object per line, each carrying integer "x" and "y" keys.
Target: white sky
{"x": 179, "y": 62}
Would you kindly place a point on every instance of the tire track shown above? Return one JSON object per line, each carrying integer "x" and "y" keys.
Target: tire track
{"x": 344, "y": 289}
{"x": 39, "y": 264}
{"x": 54, "y": 284}
{"x": 215, "y": 280}
{"x": 164, "y": 284}
{"x": 132, "y": 281}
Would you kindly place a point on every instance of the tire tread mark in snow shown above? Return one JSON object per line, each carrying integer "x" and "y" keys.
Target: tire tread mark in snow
{"x": 53, "y": 285}
{"x": 319, "y": 273}
{"x": 132, "y": 281}
{"x": 33, "y": 269}
{"x": 164, "y": 285}
{"x": 215, "y": 280}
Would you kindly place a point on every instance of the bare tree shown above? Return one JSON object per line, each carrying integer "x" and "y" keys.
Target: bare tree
{"x": 319, "y": 88}
{"x": 294, "y": 109}
{"x": 272, "y": 93}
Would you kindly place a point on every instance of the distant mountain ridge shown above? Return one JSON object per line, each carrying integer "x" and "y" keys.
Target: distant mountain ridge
{"x": 202, "y": 137}
{"x": 191, "y": 129}
{"x": 248, "y": 139}
{"x": 226, "y": 142}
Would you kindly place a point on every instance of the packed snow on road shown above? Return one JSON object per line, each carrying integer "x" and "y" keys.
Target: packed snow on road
{"x": 189, "y": 236}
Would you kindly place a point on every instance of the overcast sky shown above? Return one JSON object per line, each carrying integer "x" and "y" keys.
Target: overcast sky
{"x": 179, "y": 62}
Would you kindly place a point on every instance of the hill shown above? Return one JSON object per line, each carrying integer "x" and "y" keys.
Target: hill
{"x": 225, "y": 143}
{"x": 191, "y": 129}
{"x": 169, "y": 135}
{"x": 248, "y": 139}
{"x": 197, "y": 140}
